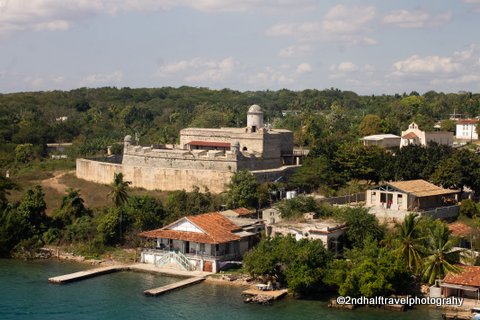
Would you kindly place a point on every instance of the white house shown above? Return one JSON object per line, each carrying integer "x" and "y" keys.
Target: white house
{"x": 330, "y": 232}
{"x": 394, "y": 200}
{"x": 413, "y": 135}
{"x": 382, "y": 140}
{"x": 200, "y": 242}
{"x": 466, "y": 129}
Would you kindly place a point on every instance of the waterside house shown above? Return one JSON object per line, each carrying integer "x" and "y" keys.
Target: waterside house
{"x": 394, "y": 200}
{"x": 203, "y": 242}
{"x": 465, "y": 284}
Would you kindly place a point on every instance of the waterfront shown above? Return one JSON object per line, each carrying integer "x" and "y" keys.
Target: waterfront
{"x": 26, "y": 294}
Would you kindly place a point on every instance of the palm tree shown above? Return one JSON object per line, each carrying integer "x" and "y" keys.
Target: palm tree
{"x": 441, "y": 258}
{"x": 119, "y": 195}
{"x": 119, "y": 187}
{"x": 5, "y": 186}
{"x": 410, "y": 243}
{"x": 72, "y": 203}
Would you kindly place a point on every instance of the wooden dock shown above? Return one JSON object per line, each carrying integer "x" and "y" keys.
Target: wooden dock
{"x": 173, "y": 286}
{"x": 85, "y": 274}
{"x": 457, "y": 315}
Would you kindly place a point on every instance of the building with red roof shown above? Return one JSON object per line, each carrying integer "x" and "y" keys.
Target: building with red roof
{"x": 464, "y": 284}
{"x": 200, "y": 242}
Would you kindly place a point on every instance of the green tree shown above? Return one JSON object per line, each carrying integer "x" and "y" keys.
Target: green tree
{"x": 6, "y": 185}
{"x": 361, "y": 225}
{"x": 242, "y": 190}
{"x": 441, "y": 259}
{"x": 410, "y": 243}
{"x": 469, "y": 208}
{"x": 317, "y": 173}
{"x": 72, "y": 206}
{"x": 298, "y": 264}
{"x": 119, "y": 188}
{"x": 371, "y": 124}
{"x": 371, "y": 270}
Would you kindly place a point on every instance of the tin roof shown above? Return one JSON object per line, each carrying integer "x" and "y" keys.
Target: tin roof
{"x": 421, "y": 188}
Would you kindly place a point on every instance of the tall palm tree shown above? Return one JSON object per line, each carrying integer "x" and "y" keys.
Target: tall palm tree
{"x": 119, "y": 187}
{"x": 72, "y": 203}
{"x": 119, "y": 195}
{"x": 441, "y": 258}
{"x": 6, "y": 185}
{"x": 410, "y": 243}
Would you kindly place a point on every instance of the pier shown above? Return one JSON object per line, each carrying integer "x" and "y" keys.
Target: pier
{"x": 173, "y": 286}
{"x": 193, "y": 276}
{"x": 81, "y": 275}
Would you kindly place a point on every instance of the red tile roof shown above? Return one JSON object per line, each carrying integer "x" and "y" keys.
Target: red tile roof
{"x": 243, "y": 211}
{"x": 209, "y": 144}
{"x": 410, "y": 135}
{"x": 459, "y": 229}
{"x": 217, "y": 228}
{"x": 469, "y": 276}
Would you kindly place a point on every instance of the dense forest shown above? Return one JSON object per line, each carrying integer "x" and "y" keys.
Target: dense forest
{"x": 94, "y": 118}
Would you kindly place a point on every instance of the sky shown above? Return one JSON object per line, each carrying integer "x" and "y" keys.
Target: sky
{"x": 368, "y": 46}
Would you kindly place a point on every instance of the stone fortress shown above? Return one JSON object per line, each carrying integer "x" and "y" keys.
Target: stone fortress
{"x": 206, "y": 158}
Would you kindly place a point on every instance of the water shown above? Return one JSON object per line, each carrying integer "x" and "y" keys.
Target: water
{"x": 26, "y": 294}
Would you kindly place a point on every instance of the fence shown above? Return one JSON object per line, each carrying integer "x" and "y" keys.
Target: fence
{"x": 355, "y": 197}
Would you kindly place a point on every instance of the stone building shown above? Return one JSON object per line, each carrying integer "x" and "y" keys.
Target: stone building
{"x": 206, "y": 158}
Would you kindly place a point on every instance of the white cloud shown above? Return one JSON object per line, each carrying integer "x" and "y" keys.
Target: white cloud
{"x": 452, "y": 72}
{"x": 341, "y": 24}
{"x": 281, "y": 76}
{"x": 429, "y": 64}
{"x": 416, "y": 19}
{"x": 347, "y": 66}
{"x": 346, "y": 20}
{"x": 303, "y": 68}
{"x": 294, "y": 50}
{"x": 54, "y": 15}
{"x": 102, "y": 79}
{"x": 199, "y": 69}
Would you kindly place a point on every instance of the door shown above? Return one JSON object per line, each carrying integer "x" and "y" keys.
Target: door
{"x": 187, "y": 247}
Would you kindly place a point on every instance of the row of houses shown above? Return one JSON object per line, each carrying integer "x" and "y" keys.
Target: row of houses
{"x": 209, "y": 241}
{"x": 465, "y": 130}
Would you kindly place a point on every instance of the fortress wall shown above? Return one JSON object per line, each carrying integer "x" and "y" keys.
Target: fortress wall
{"x": 152, "y": 178}
{"x": 97, "y": 171}
{"x": 170, "y": 159}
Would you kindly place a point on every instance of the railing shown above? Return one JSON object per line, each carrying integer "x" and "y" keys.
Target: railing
{"x": 176, "y": 257}
{"x": 194, "y": 254}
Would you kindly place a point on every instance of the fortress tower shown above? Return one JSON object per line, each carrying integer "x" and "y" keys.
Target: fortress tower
{"x": 254, "y": 118}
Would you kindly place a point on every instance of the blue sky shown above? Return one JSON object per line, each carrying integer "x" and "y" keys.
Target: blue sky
{"x": 370, "y": 47}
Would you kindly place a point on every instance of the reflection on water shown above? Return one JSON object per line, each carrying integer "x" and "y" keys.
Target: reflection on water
{"x": 26, "y": 294}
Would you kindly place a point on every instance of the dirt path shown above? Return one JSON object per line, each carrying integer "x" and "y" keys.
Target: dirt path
{"x": 54, "y": 182}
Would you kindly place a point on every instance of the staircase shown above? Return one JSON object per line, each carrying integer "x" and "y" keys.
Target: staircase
{"x": 176, "y": 258}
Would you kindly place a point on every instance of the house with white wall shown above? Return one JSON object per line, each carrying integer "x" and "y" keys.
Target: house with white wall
{"x": 466, "y": 130}
{"x": 382, "y": 140}
{"x": 330, "y": 232}
{"x": 414, "y": 136}
{"x": 394, "y": 200}
{"x": 200, "y": 242}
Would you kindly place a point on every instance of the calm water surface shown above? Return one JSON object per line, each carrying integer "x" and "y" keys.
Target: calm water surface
{"x": 26, "y": 294}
